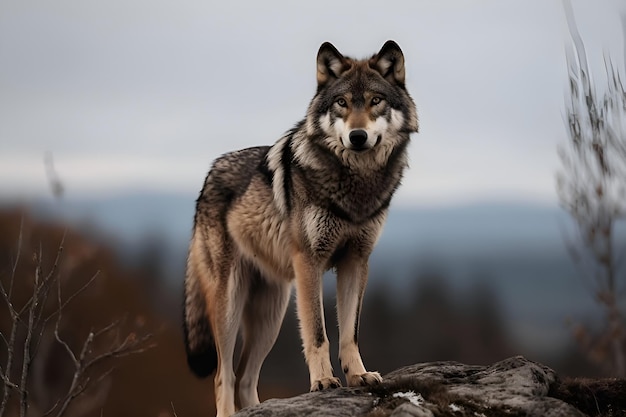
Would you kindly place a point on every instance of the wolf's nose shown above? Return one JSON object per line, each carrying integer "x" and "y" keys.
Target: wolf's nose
{"x": 358, "y": 137}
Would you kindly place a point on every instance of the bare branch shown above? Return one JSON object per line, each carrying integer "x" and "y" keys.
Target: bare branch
{"x": 35, "y": 317}
{"x": 129, "y": 346}
{"x": 17, "y": 258}
{"x": 42, "y": 284}
{"x": 7, "y": 295}
{"x": 76, "y": 389}
{"x": 592, "y": 185}
{"x": 61, "y": 306}
{"x": 56, "y": 329}
{"x": 83, "y": 365}
{"x": 73, "y": 296}
{"x": 8, "y": 385}
{"x": 51, "y": 409}
{"x": 26, "y": 357}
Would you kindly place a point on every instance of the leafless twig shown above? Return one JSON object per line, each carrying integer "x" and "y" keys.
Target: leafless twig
{"x": 9, "y": 386}
{"x": 92, "y": 363}
{"x": 592, "y": 185}
{"x": 85, "y": 361}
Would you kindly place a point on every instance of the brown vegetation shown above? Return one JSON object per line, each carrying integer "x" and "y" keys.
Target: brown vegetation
{"x": 594, "y": 397}
{"x": 78, "y": 363}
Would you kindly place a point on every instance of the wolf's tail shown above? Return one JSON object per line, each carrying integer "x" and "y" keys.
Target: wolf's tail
{"x": 199, "y": 342}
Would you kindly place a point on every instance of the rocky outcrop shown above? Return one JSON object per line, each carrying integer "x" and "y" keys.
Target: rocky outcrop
{"x": 513, "y": 387}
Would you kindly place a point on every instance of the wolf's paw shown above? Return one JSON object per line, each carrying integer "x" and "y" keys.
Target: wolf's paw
{"x": 325, "y": 383}
{"x": 361, "y": 380}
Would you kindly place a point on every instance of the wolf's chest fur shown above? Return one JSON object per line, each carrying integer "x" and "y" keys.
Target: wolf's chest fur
{"x": 349, "y": 194}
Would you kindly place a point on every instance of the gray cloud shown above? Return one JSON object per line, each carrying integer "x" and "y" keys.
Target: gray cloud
{"x": 146, "y": 93}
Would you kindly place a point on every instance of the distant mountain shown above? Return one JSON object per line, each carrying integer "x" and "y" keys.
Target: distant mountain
{"x": 128, "y": 216}
{"x": 497, "y": 226}
{"x": 517, "y": 249}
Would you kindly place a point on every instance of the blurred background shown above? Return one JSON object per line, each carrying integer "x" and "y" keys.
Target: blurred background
{"x": 111, "y": 114}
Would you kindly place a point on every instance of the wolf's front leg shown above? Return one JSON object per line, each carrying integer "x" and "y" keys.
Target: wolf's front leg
{"x": 351, "y": 280}
{"x": 312, "y": 327}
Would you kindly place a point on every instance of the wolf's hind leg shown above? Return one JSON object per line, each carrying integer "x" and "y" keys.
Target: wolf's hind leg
{"x": 231, "y": 297}
{"x": 351, "y": 280}
{"x": 262, "y": 319}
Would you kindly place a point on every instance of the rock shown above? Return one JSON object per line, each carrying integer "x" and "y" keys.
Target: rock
{"x": 331, "y": 402}
{"x": 513, "y": 387}
{"x": 410, "y": 410}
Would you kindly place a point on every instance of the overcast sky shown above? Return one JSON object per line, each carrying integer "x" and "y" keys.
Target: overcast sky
{"x": 144, "y": 94}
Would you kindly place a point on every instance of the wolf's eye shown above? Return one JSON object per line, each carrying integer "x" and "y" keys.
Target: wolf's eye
{"x": 342, "y": 102}
{"x": 376, "y": 100}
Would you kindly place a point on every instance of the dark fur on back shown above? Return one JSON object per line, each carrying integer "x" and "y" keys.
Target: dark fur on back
{"x": 228, "y": 178}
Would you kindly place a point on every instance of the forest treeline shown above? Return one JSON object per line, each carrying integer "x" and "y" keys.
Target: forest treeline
{"x": 430, "y": 323}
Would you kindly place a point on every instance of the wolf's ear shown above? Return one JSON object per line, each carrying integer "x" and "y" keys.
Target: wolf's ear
{"x": 389, "y": 62}
{"x": 330, "y": 64}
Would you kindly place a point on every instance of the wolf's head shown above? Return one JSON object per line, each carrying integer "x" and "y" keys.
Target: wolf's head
{"x": 362, "y": 110}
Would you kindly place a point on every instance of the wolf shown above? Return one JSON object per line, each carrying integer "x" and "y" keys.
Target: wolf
{"x": 271, "y": 216}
